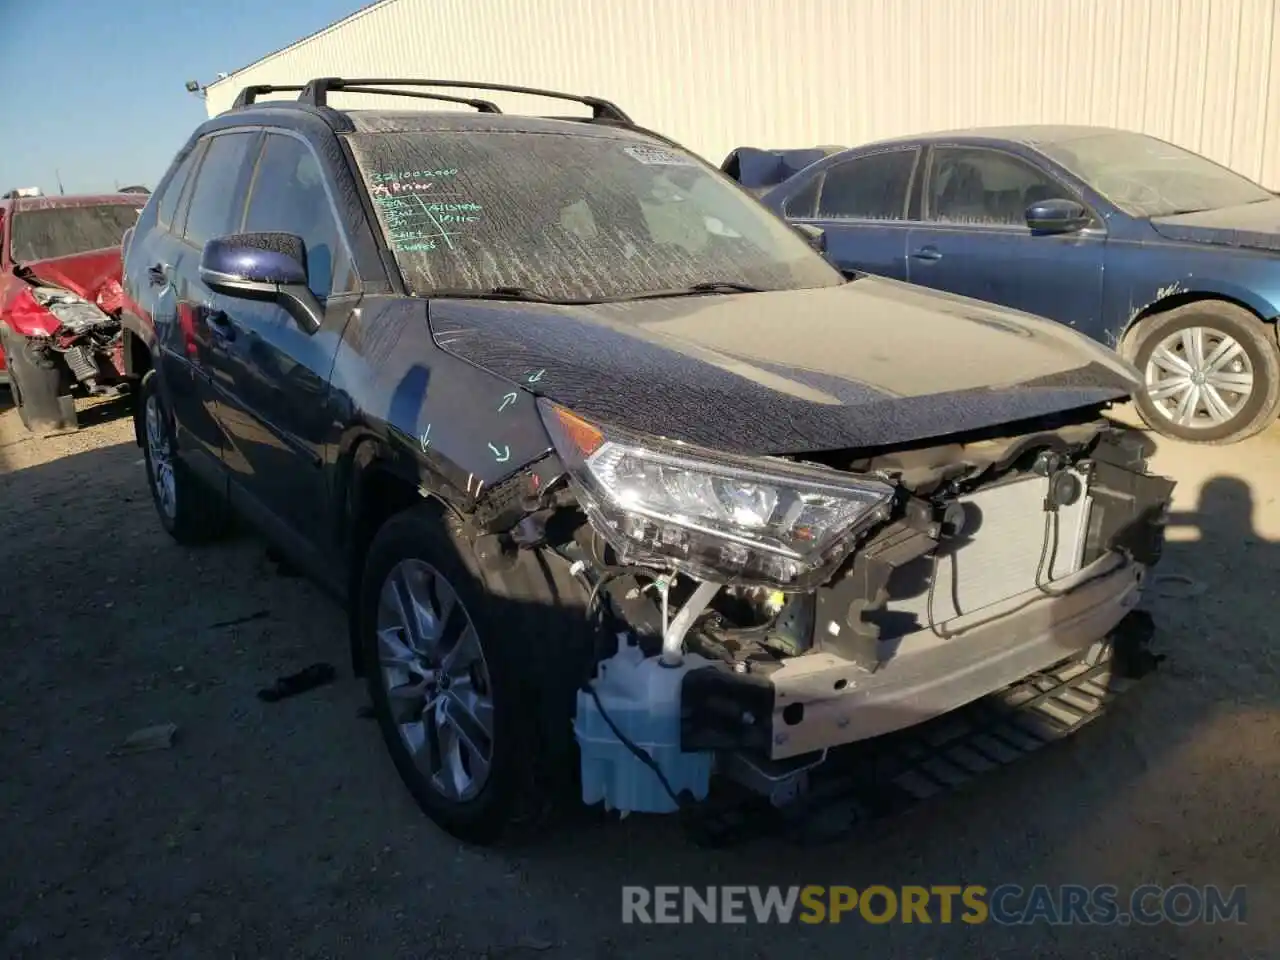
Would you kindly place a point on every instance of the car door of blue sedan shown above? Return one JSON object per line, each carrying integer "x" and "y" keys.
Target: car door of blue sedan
{"x": 862, "y": 205}
{"x": 973, "y": 238}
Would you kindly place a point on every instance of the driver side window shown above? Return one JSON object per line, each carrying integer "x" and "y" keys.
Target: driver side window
{"x": 288, "y": 196}
{"x": 980, "y": 186}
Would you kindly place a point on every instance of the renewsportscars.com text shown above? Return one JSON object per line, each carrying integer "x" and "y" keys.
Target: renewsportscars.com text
{"x": 1006, "y": 904}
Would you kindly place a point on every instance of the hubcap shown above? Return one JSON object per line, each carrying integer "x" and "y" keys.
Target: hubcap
{"x": 436, "y": 679}
{"x": 1199, "y": 378}
{"x": 161, "y": 455}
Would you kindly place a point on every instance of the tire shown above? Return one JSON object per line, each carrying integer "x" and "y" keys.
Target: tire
{"x": 523, "y": 630}
{"x": 36, "y": 390}
{"x": 1240, "y": 414}
{"x": 190, "y": 512}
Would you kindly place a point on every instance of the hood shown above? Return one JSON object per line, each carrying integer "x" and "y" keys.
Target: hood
{"x": 865, "y": 364}
{"x": 1255, "y": 226}
{"x": 84, "y": 274}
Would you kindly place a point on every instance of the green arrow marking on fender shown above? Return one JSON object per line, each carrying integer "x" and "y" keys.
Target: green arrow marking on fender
{"x": 503, "y": 455}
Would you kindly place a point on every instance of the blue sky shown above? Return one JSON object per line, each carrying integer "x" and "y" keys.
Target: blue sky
{"x": 93, "y": 88}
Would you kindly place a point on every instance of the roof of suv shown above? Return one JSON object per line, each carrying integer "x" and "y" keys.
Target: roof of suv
{"x": 422, "y": 121}
{"x": 312, "y": 104}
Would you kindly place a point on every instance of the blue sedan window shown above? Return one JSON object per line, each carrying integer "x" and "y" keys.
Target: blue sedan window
{"x": 973, "y": 185}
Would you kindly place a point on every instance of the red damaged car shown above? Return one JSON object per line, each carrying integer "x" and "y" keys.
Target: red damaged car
{"x": 60, "y": 301}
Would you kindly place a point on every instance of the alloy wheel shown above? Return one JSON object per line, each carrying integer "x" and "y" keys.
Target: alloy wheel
{"x": 160, "y": 453}
{"x": 434, "y": 673}
{"x": 1199, "y": 377}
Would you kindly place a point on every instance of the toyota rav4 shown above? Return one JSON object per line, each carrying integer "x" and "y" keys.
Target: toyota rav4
{"x": 626, "y": 489}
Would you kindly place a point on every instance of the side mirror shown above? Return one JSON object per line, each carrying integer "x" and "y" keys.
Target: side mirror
{"x": 1057, "y": 216}
{"x": 263, "y": 266}
{"x": 816, "y": 237}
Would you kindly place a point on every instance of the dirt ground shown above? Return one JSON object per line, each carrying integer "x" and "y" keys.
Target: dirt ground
{"x": 281, "y": 830}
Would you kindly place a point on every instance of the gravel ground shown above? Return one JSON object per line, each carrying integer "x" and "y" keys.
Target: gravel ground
{"x": 281, "y": 830}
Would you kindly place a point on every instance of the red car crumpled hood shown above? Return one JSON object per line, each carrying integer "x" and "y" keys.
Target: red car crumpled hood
{"x": 84, "y": 274}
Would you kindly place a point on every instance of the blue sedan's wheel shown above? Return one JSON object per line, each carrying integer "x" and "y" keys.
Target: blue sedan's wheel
{"x": 1211, "y": 373}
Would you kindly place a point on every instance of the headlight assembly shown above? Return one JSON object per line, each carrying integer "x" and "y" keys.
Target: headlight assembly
{"x": 737, "y": 520}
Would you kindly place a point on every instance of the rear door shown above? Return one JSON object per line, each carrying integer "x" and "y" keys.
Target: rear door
{"x": 973, "y": 238}
{"x": 271, "y": 376}
{"x": 152, "y": 279}
{"x": 862, "y": 203}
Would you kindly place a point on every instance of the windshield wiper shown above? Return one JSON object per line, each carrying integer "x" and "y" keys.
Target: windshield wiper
{"x": 693, "y": 290}
{"x": 533, "y": 296}
{"x": 494, "y": 293}
{"x": 723, "y": 286}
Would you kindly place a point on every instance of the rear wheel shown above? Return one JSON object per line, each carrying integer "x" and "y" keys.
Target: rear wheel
{"x": 188, "y": 509}
{"x": 1211, "y": 373}
{"x": 472, "y": 672}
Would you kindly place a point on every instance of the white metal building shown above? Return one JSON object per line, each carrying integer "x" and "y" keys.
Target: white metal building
{"x": 715, "y": 74}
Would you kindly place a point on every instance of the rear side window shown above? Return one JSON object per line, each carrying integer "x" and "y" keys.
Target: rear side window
{"x": 65, "y": 231}
{"x": 874, "y": 187}
{"x": 216, "y": 201}
{"x": 804, "y": 203}
{"x": 173, "y": 190}
{"x": 289, "y": 196}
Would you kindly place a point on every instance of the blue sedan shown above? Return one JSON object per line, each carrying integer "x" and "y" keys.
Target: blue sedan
{"x": 1160, "y": 253}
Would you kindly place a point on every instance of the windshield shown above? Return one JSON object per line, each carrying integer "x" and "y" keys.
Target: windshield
{"x": 571, "y": 217}
{"x": 1146, "y": 177}
{"x": 63, "y": 231}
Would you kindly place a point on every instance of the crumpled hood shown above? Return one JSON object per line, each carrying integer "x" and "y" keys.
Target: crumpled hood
{"x": 1255, "y": 226}
{"x": 870, "y": 363}
{"x": 84, "y": 274}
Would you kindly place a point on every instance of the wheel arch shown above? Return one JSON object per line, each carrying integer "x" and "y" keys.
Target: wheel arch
{"x": 138, "y": 361}
{"x": 1262, "y": 310}
{"x": 371, "y": 485}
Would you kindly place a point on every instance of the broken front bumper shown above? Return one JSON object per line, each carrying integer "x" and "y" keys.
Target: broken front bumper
{"x": 820, "y": 700}
{"x": 818, "y": 797}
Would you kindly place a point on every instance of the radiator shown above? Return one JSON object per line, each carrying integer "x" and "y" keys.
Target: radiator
{"x": 996, "y": 555}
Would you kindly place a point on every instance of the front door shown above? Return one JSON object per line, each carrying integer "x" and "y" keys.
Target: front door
{"x": 973, "y": 239}
{"x": 271, "y": 376}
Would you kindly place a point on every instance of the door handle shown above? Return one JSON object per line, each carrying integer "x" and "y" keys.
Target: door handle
{"x": 158, "y": 273}
{"x": 927, "y": 253}
{"x": 220, "y": 324}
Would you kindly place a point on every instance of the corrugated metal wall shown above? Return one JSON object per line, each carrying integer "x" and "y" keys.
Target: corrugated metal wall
{"x": 716, "y": 74}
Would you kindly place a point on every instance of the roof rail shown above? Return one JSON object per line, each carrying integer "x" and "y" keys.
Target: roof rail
{"x": 484, "y": 106}
{"x": 316, "y": 93}
{"x": 249, "y": 95}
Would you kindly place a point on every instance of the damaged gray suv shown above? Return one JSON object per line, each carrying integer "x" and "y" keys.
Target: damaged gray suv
{"x": 633, "y": 499}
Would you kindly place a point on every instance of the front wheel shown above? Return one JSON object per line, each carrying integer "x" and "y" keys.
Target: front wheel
{"x": 1211, "y": 373}
{"x": 472, "y": 672}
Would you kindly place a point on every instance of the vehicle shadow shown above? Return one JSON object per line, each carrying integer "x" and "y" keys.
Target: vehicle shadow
{"x": 291, "y": 802}
{"x": 95, "y": 411}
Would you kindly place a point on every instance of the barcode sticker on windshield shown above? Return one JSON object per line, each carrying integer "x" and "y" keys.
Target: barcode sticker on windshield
{"x": 658, "y": 156}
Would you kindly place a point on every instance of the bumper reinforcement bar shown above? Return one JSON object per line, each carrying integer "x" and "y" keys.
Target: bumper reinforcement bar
{"x": 876, "y": 778}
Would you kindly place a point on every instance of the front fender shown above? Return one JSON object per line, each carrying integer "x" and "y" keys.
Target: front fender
{"x": 1152, "y": 299}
